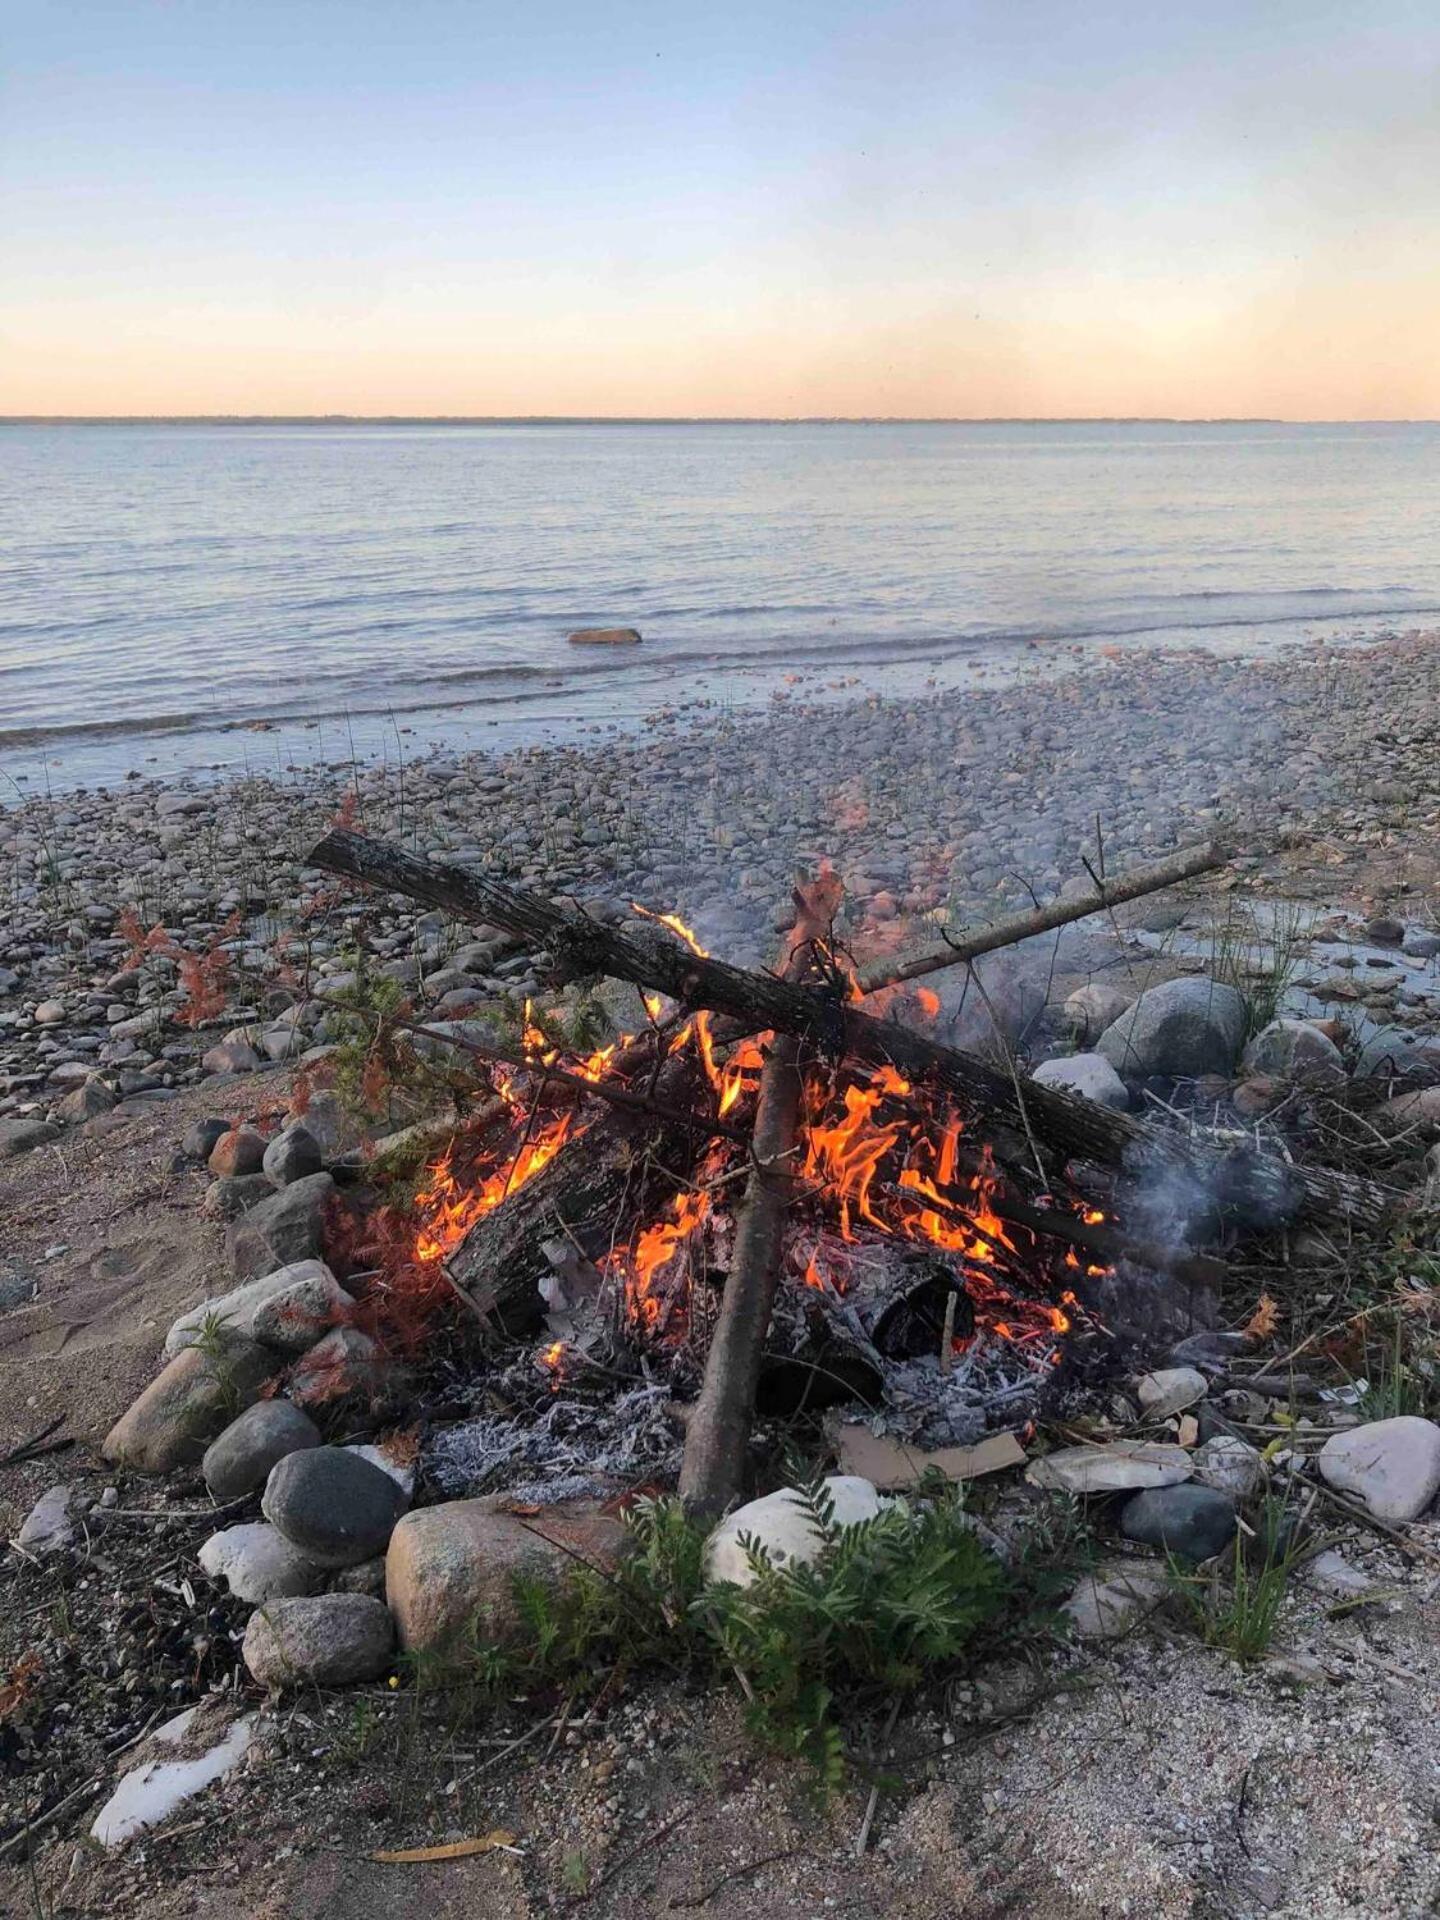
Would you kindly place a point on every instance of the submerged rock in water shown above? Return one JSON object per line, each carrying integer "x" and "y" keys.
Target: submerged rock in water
{"x": 604, "y": 637}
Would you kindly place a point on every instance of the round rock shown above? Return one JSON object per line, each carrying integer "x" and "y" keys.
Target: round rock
{"x": 1088, "y": 1074}
{"x": 258, "y": 1564}
{"x": 332, "y": 1505}
{"x": 1230, "y": 1465}
{"x": 292, "y": 1155}
{"x": 1189, "y": 1521}
{"x": 328, "y": 1640}
{"x": 1182, "y": 1029}
{"x": 1392, "y": 1465}
{"x": 238, "y": 1151}
{"x": 239, "y": 1462}
{"x": 1296, "y": 1052}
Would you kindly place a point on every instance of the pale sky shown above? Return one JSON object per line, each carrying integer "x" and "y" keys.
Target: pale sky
{"x": 1191, "y": 207}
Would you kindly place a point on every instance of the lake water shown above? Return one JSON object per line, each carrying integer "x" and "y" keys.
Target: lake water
{"x": 166, "y": 590}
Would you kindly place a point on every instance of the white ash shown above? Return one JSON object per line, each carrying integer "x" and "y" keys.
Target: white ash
{"x": 566, "y": 1450}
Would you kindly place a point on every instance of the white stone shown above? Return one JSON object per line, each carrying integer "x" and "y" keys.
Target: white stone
{"x": 151, "y": 1793}
{"x": 781, "y": 1526}
{"x": 1170, "y": 1390}
{"x": 1392, "y": 1465}
{"x": 1109, "y": 1601}
{"x": 1120, "y": 1467}
{"x": 1093, "y": 1008}
{"x": 239, "y": 1308}
{"x": 258, "y": 1564}
{"x": 1088, "y": 1074}
{"x": 1230, "y": 1465}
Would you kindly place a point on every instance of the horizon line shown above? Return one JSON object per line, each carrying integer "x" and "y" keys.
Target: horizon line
{"x": 694, "y": 420}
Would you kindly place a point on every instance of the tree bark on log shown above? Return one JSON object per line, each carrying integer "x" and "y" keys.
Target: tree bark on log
{"x": 1134, "y": 885}
{"x": 623, "y": 1168}
{"x": 716, "y": 1440}
{"x": 1255, "y": 1185}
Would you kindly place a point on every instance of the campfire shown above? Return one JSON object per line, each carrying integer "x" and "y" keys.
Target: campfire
{"x": 783, "y": 1192}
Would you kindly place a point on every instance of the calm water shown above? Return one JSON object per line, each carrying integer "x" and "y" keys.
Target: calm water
{"x": 160, "y": 585}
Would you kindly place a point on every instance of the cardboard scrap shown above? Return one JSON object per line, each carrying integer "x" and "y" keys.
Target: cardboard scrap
{"x": 888, "y": 1463}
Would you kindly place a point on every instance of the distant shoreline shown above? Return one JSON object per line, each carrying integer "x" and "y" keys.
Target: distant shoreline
{"x": 666, "y": 420}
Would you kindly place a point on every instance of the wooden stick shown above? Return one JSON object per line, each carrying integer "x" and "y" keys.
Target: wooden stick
{"x": 1054, "y": 913}
{"x": 1246, "y": 1179}
{"x": 718, "y": 1433}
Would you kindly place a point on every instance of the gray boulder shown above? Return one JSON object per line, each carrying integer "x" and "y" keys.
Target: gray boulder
{"x": 1182, "y": 1029}
{"x": 239, "y": 1462}
{"x": 1088, "y": 1074}
{"x": 1294, "y": 1051}
{"x": 306, "y": 1284}
{"x": 282, "y": 1230}
{"x": 1093, "y": 1008}
{"x": 328, "y": 1640}
{"x": 332, "y": 1505}
{"x": 291, "y": 1156}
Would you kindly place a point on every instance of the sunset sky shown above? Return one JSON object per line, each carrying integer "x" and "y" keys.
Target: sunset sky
{"x": 796, "y": 207}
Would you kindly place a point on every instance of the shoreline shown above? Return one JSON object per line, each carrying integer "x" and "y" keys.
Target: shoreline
{"x": 960, "y": 805}
{"x": 561, "y": 709}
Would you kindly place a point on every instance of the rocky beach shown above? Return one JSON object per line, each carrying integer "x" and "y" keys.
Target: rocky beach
{"x": 170, "y": 973}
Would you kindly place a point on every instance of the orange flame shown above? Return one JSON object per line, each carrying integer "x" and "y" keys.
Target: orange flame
{"x": 449, "y": 1206}
{"x": 656, "y": 1247}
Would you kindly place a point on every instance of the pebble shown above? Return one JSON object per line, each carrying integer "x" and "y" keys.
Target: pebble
{"x": 50, "y": 1526}
{"x": 1120, "y": 1467}
{"x": 1230, "y": 1465}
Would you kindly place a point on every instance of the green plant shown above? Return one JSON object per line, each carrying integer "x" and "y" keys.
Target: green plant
{"x": 574, "y": 1871}
{"x": 1238, "y": 1611}
{"x": 1260, "y": 963}
{"x": 884, "y": 1603}
{"x": 213, "y": 1337}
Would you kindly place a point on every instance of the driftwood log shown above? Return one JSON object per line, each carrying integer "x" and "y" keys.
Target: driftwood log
{"x": 623, "y": 1168}
{"x": 1254, "y": 1185}
{"x": 1059, "y": 912}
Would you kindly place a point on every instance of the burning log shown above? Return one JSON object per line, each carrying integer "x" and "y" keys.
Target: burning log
{"x": 1184, "y": 865}
{"x": 1254, "y": 1184}
{"x": 719, "y": 1430}
{"x": 621, "y": 1169}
